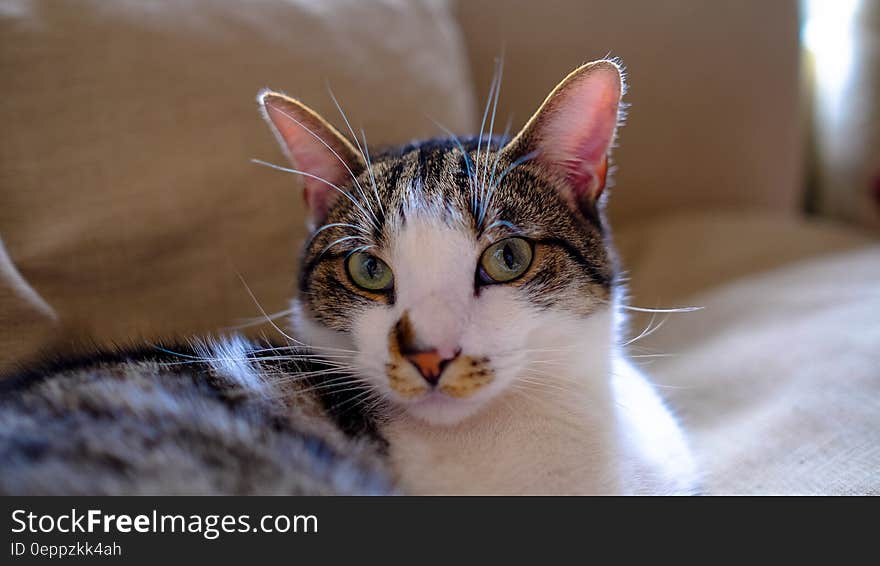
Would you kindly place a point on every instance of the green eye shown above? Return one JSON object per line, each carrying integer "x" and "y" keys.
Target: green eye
{"x": 505, "y": 260}
{"x": 369, "y": 272}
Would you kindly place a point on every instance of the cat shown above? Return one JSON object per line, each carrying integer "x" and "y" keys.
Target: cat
{"x": 162, "y": 420}
{"x": 458, "y": 330}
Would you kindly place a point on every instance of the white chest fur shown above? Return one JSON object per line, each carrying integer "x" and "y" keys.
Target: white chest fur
{"x": 589, "y": 424}
{"x": 590, "y": 434}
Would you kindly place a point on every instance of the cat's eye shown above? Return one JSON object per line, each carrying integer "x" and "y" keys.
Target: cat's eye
{"x": 506, "y": 260}
{"x": 369, "y": 272}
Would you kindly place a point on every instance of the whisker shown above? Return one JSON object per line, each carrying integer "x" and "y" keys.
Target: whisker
{"x": 572, "y": 348}
{"x": 499, "y": 73}
{"x": 360, "y": 149}
{"x": 263, "y": 311}
{"x": 275, "y": 326}
{"x": 366, "y": 152}
{"x": 333, "y": 151}
{"x": 332, "y": 387}
{"x": 327, "y": 358}
{"x": 334, "y": 225}
{"x": 255, "y": 321}
{"x": 493, "y": 185}
{"x": 332, "y": 366}
{"x": 366, "y": 395}
{"x": 647, "y": 331}
{"x": 541, "y": 373}
{"x": 341, "y": 369}
{"x": 339, "y": 241}
{"x": 298, "y": 348}
{"x": 540, "y": 397}
{"x": 661, "y": 385}
{"x": 489, "y": 99}
{"x": 668, "y": 310}
{"x": 527, "y": 157}
{"x": 540, "y": 383}
{"x": 320, "y": 180}
{"x": 557, "y": 362}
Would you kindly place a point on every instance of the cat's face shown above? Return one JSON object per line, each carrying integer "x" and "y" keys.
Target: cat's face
{"x": 446, "y": 272}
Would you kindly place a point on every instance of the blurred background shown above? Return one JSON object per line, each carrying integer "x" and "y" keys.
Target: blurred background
{"x": 747, "y": 183}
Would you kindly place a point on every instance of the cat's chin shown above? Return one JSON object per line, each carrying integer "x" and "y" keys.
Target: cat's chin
{"x": 442, "y": 410}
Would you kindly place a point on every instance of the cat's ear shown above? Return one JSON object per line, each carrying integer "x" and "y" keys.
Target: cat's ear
{"x": 572, "y": 132}
{"x": 322, "y": 155}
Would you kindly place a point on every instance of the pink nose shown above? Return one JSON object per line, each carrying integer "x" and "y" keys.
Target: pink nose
{"x": 430, "y": 364}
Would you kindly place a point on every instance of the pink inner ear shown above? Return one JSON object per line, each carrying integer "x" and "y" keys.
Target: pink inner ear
{"x": 308, "y": 154}
{"x": 579, "y": 131}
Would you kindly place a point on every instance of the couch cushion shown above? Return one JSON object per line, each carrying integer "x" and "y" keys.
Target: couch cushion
{"x": 777, "y": 378}
{"x": 128, "y": 199}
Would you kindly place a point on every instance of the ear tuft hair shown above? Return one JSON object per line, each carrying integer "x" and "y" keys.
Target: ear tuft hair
{"x": 321, "y": 155}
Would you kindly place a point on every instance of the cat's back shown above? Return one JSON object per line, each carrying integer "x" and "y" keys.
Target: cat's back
{"x": 153, "y": 422}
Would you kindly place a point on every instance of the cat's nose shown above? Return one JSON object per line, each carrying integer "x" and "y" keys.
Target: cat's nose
{"x": 430, "y": 363}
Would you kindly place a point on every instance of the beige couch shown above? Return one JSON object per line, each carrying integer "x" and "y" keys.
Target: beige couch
{"x": 129, "y": 207}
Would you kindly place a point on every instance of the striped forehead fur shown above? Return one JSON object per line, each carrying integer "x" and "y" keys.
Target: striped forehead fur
{"x": 474, "y": 187}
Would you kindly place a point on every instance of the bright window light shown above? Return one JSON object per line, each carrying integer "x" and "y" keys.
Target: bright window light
{"x": 827, "y": 34}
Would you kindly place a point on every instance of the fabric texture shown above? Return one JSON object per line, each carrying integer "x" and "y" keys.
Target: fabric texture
{"x": 127, "y": 197}
{"x": 777, "y": 378}
{"x": 712, "y": 120}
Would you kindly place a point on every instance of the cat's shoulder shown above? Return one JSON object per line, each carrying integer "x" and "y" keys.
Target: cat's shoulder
{"x": 654, "y": 440}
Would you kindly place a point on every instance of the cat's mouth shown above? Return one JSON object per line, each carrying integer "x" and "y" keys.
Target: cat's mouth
{"x": 428, "y": 374}
{"x": 461, "y": 378}
{"x": 445, "y": 398}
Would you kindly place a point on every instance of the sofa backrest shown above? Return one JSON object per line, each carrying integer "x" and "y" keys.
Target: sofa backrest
{"x": 713, "y": 88}
{"x": 127, "y": 196}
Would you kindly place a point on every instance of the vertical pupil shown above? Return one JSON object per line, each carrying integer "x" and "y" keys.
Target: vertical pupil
{"x": 370, "y": 266}
{"x": 509, "y": 258}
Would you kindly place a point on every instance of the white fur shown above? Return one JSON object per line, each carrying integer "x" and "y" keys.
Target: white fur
{"x": 228, "y": 357}
{"x": 565, "y": 412}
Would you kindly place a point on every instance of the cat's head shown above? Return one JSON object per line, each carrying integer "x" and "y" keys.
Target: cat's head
{"x": 448, "y": 272}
